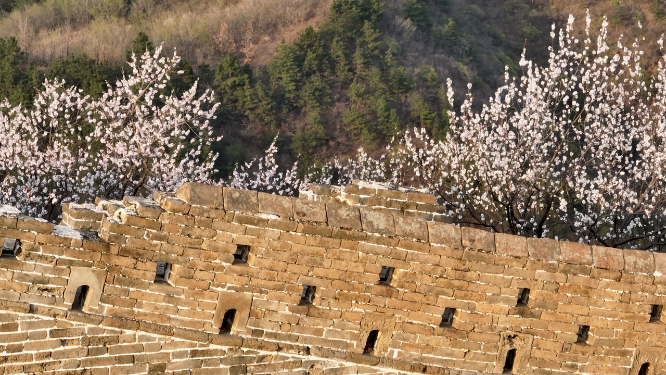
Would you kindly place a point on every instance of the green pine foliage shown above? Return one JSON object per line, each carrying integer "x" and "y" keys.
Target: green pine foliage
{"x": 85, "y": 73}
{"x": 345, "y": 63}
{"x": 140, "y": 44}
{"x": 18, "y": 78}
{"x": 417, "y": 12}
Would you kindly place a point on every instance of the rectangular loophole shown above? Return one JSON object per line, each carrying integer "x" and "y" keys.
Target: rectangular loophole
{"x": 228, "y": 321}
{"x": 655, "y": 313}
{"x": 162, "y": 272}
{"x": 447, "y": 317}
{"x": 11, "y": 248}
{"x": 509, "y": 361}
{"x": 523, "y": 297}
{"x": 371, "y": 342}
{"x": 307, "y": 296}
{"x": 583, "y": 332}
{"x": 385, "y": 275}
{"x": 80, "y": 297}
{"x": 240, "y": 256}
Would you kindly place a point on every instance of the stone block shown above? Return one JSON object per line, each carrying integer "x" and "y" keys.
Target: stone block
{"x": 145, "y": 207}
{"x": 543, "y": 249}
{"x": 226, "y": 340}
{"x": 243, "y": 201}
{"x": 122, "y": 323}
{"x": 170, "y": 203}
{"x": 93, "y": 278}
{"x": 83, "y": 211}
{"x": 34, "y": 224}
{"x": 377, "y": 220}
{"x": 80, "y": 224}
{"x": 342, "y": 216}
{"x": 367, "y": 360}
{"x": 422, "y": 198}
{"x": 411, "y": 227}
{"x": 639, "y": 261}
{"x": 522, "y": 344}
{"x": 576, "y": 253}
{"x": 608, "y": 258}
{"x": 359, "y": 189}
{"x": 444, "y": 234}
{"x": 305, "y": 210}
{"x": 210, "y": 213}
{"x": 241, "y": 302}
{"x": 372, "y": 321}
{"x": 510, "y": 245}
{"x": 194, "y": 193}
{"x": 392, "y": 194}
{"x": 21, "y": 307}
{"x": 158, "y": 329}
{"x": 276, "y": 205}
{"x": 477, "y": 239}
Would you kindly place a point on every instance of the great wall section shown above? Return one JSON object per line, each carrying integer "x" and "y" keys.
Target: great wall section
{"x": 353, "y": 280}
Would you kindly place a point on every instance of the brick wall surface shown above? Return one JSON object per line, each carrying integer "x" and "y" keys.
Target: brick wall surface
{"x": 391, "y": 288}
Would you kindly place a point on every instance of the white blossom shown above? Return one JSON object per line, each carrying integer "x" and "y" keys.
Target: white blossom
{"x": 132, "y": 140}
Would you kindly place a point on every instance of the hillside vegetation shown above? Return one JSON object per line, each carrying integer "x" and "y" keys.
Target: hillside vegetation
{"x": 328, "y": 76}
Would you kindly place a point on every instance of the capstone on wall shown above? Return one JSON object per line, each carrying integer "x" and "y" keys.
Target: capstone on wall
{"x": 360, "y": 279}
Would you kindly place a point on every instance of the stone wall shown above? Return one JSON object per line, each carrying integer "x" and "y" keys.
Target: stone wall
{"x": 360, "y": 279}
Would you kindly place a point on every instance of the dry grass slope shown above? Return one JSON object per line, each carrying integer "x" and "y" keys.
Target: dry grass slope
{"x": 201, "y": 31}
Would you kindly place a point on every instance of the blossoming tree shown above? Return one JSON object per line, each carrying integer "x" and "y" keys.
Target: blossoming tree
{"x": 575, "y": 149}
{"x": 132, "y": 140}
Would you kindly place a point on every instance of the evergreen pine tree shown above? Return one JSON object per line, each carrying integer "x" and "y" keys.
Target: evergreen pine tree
{"x": 140, "y": 45}
{"x": 285, "y": 74}
{"x": 339, "y": 56}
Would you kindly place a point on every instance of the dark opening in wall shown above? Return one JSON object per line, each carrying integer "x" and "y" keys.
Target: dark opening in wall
{"x": 386, "y": 275}
{"x": 11, "y": 248}
{"x": 645, "y": 367}
{"x": 162, "y": 272}
{"x": 655, "y": 313}
{"x": 240, "y": 256}
{"x": 523, "y": 297}
{"x": 447, "y": 317}
{"x": 510, "y": 360}
{"x": 80, "y": 297}
{"x": 371, "y": 342}
{"x": 228, "y": 321}
{"x": 583, "y": 331}
{"x": 308, "y": 294}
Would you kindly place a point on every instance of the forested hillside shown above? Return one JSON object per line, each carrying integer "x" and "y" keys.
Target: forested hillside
{"x": 327, "y": 76}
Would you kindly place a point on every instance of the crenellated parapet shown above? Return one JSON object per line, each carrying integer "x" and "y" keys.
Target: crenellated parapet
{"x": 361, "y": 278}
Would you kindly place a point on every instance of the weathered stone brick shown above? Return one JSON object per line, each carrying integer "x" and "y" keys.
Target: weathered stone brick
{"x": 608, "y": 258}
{"x": 544, "y": 249}
{"x": 445, "y": 234}
{"x": 376, "y": 220}
{"x": 305, "y": 210}
{"x": 477, "y": 239}
{"x": 171, "y": 203}
{"x": 243, "y": 201}
{"x": 411, "y": 227}
{"x": 210, "y": 196}
{"x": 639, "y": 261}
{"x": 576, "y": 253}
{"x": 34, "y": 225}
{"x": 276, "y": 205}
{"x": 510, "y": 245}
{"x": 343, "y": 216}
